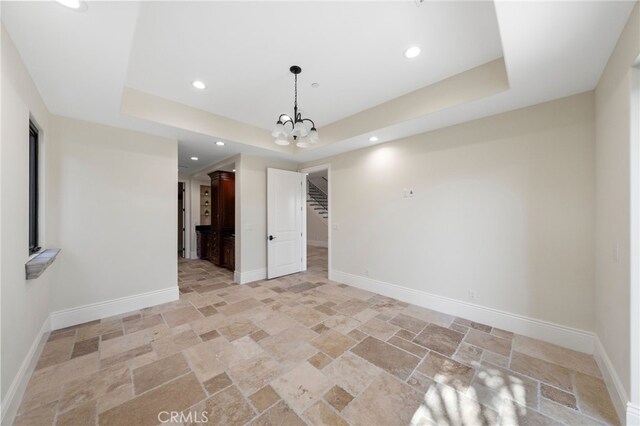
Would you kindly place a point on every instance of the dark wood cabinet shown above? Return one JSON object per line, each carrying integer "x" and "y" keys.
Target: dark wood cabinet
{"x": 220, "y": 244}
{"x": 228, "y": 252}
{"x": 203, "y": 243}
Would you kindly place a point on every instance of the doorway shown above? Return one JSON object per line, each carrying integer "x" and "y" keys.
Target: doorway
{"x": 318, "y": 220}
{"x": 181, "y": 220}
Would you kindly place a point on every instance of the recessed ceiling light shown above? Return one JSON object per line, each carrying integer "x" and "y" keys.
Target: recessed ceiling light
{"x": 234, "y": 170}
{"x": 194, "y": 158}
{"x": 73, "y": 4}
{"x": 412, "y": 52}
{"x": 373, "y": 139}
{"x": 220, "y": 143}
{"x": 199, "y": 85}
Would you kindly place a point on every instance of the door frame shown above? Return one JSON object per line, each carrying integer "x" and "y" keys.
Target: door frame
{"x": 634, "y": 250}
{"x": 186, "y": 202}
{"x": 307, "y": 170}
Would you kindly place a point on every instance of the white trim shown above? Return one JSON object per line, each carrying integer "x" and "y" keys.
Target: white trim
{"x": 561, "y": 335}
{"x": 94, "y": 311}
{"x": 634, "y": 236}
{"x": 633, "y": 415}
{"x": 614, "y": 385}
{"x": 194, "y": 255}
{"x": 14, "y": 395}
{"x": 315, "y": 243}
{"x": 303, "y": 219}
{"x": 250, "y": 276}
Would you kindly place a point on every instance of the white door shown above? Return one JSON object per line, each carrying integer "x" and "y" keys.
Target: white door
{"x": 286, "y": 217}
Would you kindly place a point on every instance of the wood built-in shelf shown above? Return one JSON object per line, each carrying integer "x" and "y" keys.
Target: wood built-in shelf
{"x": 205, "y": 196}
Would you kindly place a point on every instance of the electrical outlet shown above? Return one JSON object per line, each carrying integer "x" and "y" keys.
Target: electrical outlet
{"x": 411, "y": 193}
{"x": 472, "y": 295}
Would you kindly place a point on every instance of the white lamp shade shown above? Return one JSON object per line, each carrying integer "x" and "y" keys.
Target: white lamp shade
{"x": 282, "y": 141}
{"x": 278, "y": 130}
{"x": 303, "y": 143}
{"x": 299, "y": 130}
{"x": 313, "y": 136}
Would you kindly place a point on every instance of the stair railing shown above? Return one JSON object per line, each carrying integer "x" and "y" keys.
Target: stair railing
{"x": 318, "y": 196}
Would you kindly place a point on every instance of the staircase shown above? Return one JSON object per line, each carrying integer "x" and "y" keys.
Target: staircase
{"x": 317, "y": 200}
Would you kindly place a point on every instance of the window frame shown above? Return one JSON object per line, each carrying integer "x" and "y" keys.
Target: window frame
{"x": 34, "y": 190}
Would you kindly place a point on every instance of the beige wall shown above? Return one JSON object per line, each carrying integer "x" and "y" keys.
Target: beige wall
{"x": 317, "y": 228}
{"x": 24, "y": 303}
{"x": 108, "y": 200}
{"x": 503, "y": 206}
{"x": 613, "y": 138}
{"x": 116, "y": 212}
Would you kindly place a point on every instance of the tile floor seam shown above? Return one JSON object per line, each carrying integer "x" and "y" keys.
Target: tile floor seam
{"x": 192, "y": 370}
{"x": 403, "y": 350}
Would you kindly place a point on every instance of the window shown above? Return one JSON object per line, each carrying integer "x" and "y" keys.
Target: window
{"x": 33, "y": 189}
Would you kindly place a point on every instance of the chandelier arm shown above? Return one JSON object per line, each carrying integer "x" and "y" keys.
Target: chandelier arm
{"x": 308, "y": 119}
{"x": 288, "y": 120}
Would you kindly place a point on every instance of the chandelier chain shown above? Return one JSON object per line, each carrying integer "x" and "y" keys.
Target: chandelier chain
{"x": 295, "y": 103}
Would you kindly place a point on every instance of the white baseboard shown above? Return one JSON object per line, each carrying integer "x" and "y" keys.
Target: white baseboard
{"x": 14, "y": 395}
{"x": 567, "y": 337}
{"x": 614, "y": 385}
{"x": 194, "y": 255}
{"x": 94, "y": 311}
{"x": 315, "y": 243}
{"x": 633, "y": 415}
{"x": 250, "y": 276}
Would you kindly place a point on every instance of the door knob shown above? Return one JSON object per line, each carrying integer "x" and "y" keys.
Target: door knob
{"x": 271, "y": 238}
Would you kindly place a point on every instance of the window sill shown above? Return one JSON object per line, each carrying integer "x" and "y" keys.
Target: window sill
{"x": 37, "y": 264}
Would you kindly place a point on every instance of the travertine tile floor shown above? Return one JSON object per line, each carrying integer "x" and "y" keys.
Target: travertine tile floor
{"x": 301, "y": 349}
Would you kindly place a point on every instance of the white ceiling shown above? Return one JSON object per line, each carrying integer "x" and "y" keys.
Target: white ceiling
{"x": 243, "y": 52}
{"x": 81, "y": 61}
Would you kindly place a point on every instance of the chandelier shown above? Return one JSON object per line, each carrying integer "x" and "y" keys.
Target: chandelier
{"x": 303, "y": 130}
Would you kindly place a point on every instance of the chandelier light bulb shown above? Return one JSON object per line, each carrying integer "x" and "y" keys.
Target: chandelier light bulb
{"x": 303, "y": 143}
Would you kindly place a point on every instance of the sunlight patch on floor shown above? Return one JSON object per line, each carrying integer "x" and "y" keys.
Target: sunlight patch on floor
{"x": 502, "y": 395}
